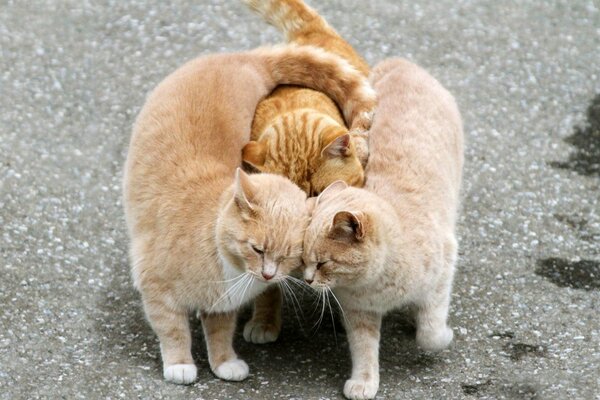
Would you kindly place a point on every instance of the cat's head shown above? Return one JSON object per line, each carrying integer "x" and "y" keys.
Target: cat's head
{"x": 342, "y": 245}
{"x": 261, "y": 225}
{"x": 312, "y": 163}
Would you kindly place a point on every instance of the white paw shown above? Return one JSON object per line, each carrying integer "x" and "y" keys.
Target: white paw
{"x": 233, "y": 370}
{"x": 434, "y": 340}
{"x": 359, "y": 389}
{"x": 259, "y": 332}
{"x": 182, "y": 374}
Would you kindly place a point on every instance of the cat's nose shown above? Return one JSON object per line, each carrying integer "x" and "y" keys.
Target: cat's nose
{"x": 309, "y": 281}
{"x": 267, "y": 275}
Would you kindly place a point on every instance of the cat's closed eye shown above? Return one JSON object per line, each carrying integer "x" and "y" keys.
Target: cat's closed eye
{"x": 321, "y": 264}
{"x": 257, "y": 250}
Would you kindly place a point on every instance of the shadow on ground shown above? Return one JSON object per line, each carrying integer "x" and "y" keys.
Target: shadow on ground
{"x": 586, "y": 159}
{"x": 303, "y": 356}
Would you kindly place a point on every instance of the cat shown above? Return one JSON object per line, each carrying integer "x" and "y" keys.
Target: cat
{"x": 299, "y": 132}
{"x": 204, "y": 235}
{"x": 392, "y": 243}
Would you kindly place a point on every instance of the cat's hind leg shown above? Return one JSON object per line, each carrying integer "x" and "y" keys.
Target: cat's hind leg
{"x": 265, "y": 324}
{"x": 433, "y": 332}
{"x": 218, "y": 333}
{"x": 173, "y": 331}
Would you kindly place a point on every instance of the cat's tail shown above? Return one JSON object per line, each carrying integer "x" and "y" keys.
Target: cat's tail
{"x": 315, "y": 68}
{"x": 292, "y": 17}
{"x": 303, "y": 25}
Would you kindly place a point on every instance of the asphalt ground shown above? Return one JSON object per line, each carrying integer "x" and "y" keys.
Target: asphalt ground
{"x": 74, "y": 74}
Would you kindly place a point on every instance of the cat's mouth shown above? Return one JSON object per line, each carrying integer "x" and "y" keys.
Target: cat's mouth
{"x": 266, "y": 279}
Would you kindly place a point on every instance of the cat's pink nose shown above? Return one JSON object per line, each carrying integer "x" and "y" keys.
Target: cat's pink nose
{"x": 267, "y": 276}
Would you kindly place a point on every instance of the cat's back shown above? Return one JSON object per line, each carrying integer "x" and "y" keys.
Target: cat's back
{"x": 289, "y": 98}
{"x": 184, "y": 139}
{"x": 416, "y": 141}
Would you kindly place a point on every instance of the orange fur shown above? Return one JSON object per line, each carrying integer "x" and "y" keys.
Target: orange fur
{"x": 199, "y": 230}
{"x": 299, "y": 132}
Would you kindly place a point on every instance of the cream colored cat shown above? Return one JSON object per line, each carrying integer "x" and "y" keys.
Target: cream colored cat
{"x": 205, "y": 237}
{"x": 393, "y": 243}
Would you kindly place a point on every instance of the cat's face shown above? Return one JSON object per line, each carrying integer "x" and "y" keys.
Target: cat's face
{"x": 260, "y": 230}
{"x": 337, "y": 161}
{"x": 340, "y": 243}
{"x": 311, "y": 166}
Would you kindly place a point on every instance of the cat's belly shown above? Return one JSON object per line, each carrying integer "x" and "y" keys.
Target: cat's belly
{"x": 240, "y": 288}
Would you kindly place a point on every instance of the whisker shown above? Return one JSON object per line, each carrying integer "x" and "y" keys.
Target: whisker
{"x": 321, "y": 298}
{"x": 332, "y": 317}
{"x": 300, "y": 283}
{"x": 339, "y": 305}
{"x": 229, "y": 280}
{"x": 287, "y": 290}
{"x": 230, "y": 290}
{"x": 249, "y": 284}
{"x": 293, "y": 297}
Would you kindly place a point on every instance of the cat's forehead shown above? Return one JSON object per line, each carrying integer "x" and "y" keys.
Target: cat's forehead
{"x": 316, "y": 233}
{"x": 283, "y": 232}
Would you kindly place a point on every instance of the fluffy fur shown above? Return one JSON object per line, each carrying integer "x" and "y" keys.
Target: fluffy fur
{"x": 205, "y": 237}
{"x": 393, "y": 243}
{"x": 297, "y": 132}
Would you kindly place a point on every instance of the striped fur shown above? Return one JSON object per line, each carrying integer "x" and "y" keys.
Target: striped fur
{"x": 300, "y": 133}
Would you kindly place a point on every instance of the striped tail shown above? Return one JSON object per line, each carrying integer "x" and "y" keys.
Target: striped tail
{"x": 315, "y": 68}
{"x": 292, "y": 17}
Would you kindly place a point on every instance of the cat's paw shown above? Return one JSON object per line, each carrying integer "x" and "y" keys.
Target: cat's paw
{"x": 232, "y": 370}
{"x": 182, "y": 374}
{"x": 434, "y": 340}
{"x": 363, "y": 121}
{"x": 360, "y": 389}
{"x": 361, "y": 145}
{"x": 260, "y": 332}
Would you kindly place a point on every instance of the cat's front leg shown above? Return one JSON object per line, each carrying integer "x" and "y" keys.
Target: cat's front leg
{"x": 173, "y": 330}
{"x": 218, "y": 334}
{"x": 363, "y": 331}
{"x": 265, "y": 325}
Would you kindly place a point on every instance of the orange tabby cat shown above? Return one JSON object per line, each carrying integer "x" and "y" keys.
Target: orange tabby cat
{"x": 203, "y": 237}
{"x": 299, "y": 133}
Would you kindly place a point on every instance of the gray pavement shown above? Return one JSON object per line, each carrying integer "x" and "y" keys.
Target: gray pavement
{"x": 73, "y": 75}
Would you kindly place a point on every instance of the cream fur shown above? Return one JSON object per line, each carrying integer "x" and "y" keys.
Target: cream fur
{"x": 393, "y": 242}
{"x": 195, "y": 225}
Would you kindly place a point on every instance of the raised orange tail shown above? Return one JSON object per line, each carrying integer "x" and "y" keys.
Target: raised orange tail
{"x": 303, "y": 25}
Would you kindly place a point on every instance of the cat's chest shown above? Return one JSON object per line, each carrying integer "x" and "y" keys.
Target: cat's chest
{"x": 240, "y": 288}
{"x": 387, "y": 296}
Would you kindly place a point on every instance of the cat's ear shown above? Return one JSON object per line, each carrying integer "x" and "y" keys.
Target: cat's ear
{"x": 348, "y": 226}
{"x": 244, "y": 192}
{"x": 336, "y": 146}
{"x": 254, "y": 153}
{"x": 331, "y": 190}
